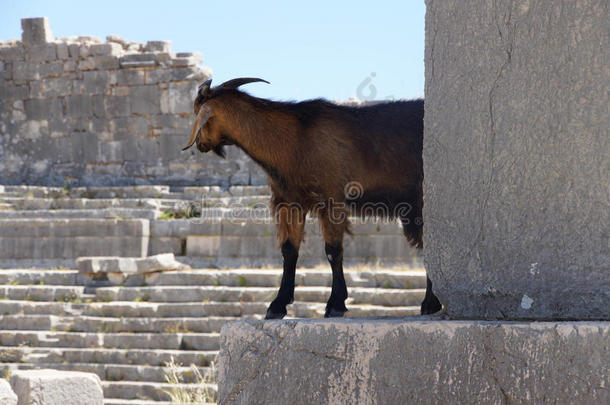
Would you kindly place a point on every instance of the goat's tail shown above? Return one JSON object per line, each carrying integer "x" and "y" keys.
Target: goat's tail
{"x": 413, "y": 221}
{"x": 413, "y": 230}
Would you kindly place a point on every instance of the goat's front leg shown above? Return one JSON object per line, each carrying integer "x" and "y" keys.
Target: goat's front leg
{"x": 333, "y": 245}
{"x": 291, "y": 222}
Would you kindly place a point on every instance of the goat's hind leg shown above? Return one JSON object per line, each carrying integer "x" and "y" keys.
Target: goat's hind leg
{"x": 333, "y": 246}
{"x": 412, "y": 229}
{"x": 430, "y": 304}
{"x": 291, "y": 222}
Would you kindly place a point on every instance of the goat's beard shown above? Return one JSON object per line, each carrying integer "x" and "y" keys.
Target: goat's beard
{"x": 220, "y": 151}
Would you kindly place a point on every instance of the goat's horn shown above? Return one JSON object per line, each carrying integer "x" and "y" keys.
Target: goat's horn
{"x": 235, "y": 83}
{"x": 204, "y": 115}
{"x": 204, "y": 87}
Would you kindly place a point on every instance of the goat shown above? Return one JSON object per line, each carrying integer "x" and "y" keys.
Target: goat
{"x": 313, "y": 152}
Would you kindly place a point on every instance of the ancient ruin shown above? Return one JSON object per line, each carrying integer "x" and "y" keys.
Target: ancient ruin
{"x": 85, "y": 112}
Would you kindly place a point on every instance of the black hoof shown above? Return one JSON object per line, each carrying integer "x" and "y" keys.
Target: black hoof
{"x": 431, "y": 305}
{"x": 276, "y": 311}
{"x": 335, "y": 312}
{"x": 274, "y": 315}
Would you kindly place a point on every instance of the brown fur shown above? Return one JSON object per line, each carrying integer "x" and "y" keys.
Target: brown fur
{"x": 312, "y": 150}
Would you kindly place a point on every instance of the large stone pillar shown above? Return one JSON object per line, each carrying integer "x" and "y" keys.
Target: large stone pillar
{"x": 516, "y": 158}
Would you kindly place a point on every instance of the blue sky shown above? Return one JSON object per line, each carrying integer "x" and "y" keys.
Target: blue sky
{"x": 308, "y": 49}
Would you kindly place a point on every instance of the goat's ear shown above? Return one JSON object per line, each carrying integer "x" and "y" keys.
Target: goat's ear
{"x": 203, "y": 92}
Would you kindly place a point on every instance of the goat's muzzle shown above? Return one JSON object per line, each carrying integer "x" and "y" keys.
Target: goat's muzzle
{"x": 205, "y": 112}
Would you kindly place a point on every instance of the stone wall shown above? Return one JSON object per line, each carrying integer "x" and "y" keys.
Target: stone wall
{"x": 516, "y": 158}
{"x": 79, "y": 111}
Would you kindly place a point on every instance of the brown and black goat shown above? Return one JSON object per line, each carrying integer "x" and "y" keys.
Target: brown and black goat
{"x": 325, "y": 159}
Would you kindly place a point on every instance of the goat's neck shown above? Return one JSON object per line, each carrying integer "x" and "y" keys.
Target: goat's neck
{"x": 258, "y": 134}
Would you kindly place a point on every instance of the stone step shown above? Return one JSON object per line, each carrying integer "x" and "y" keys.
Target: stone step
{"x": 41, "y": 292}
{"x": 110, "y": 372}
{"x": 119, "y": 401}
{"x": 196, "y": 310}
{"x": 73, "y": 355}
{"x": 89, "y": 192}
{"x": 184, "y": 341}
{"x": 41, "y": 277}
{"x": 44, "y": 238}
{"x": 126, "y": 213}
{"x": 412, "y": 278}
{"x": 22, "y": 203}
{"x": 381, "y": 278}
{"x": 115, "y": 325}
{"x": 152, "y": 390}
{"x": 144, "y": 191}
{"x": 357, "y": 295}
{"x": 233, "y": 191}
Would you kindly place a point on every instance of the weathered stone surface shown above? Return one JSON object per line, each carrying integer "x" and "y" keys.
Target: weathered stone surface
{"x": 36, "y": 31}
{"x": 158, "y": 46}
{"x": 7, "y": 396}
{"x": 55, "y": 387}
{"x": 37, "y": 238}
{"x": 413, "y": 361}
{"x": 129, "y": 265}
{"x": 516, "y": 158}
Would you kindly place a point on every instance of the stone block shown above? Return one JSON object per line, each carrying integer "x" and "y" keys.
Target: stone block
{"x": 110, "y": 48}
{"x": 57, "y": 87}
{"x": 203, "y": 245}
{"x": 11, "y": 92}
{"x": 130, "y": 77}
{"x": 12, "y": 53}
{"x": 97, "y": 105}
{"x": 78, "y": 106}
{"x": 41, "y": 53}
{"x": 195, "y": 57}
{"x": 158, "y": 46}
{"x": 129, "y": 265}
{"x": 25, "y": 71}
{"x": 138, "y": 60}
{"x": 181, "y": 97}
{"x": 516, "y": 136}
{"x": 62, "y": 50}
{"x": 7, "y": 396}
{"x": 96, "y": 82}
{"x": 145, "y": 99}
{"x": 398, "y": 361}
{"x": 106, "y": 62}
{"x": 51, "y": 69}
{"x": 36, "y": 31}
{"x": 54, "y": 387}
{"x": 117, "y": 106}
{"x": 74, "y": 50}
{"x": 43, "y": 108}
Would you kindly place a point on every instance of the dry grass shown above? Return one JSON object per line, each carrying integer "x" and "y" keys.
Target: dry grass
{"x": 178, "y": 394}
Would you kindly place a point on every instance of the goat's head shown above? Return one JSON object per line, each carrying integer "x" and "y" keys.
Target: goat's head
{"x": 208, "y": 105}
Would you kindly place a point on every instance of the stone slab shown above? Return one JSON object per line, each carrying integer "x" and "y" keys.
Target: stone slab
{"x": 53, "y": 387}
{"x": 398, "y": 361}
{"x": 129, "y": 265}
{"x": 7, "y": 396}
{"x": 516, "y": 158}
